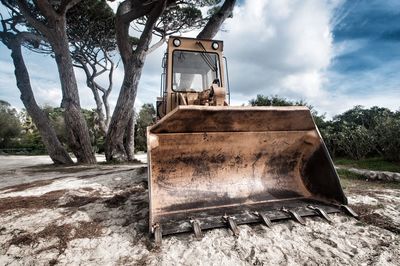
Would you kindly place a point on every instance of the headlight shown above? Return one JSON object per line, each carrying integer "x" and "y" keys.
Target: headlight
{"x": 215, "y": 45}
{"x": 177, "y": 42}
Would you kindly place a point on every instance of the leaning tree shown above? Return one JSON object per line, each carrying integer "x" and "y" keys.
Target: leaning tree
{"x": 160, "y": 18}
{"x": 48, "y": 18}
{"x": 13, "y": 37}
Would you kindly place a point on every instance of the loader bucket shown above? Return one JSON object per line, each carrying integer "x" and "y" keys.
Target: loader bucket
{"x": 207, "y": 162}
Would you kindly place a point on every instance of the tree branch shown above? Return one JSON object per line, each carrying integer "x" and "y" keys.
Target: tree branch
{"x": 128, "y": 11}
{"x": 30, "y": 37}
{"x": 145, "y": 37}
{"x": 214, "y": 23}
{"x": 31, "y": 19}
{"x": 47, "y": 9}
{"x": 66, "y": 5}
{"x": 156, "y": 45}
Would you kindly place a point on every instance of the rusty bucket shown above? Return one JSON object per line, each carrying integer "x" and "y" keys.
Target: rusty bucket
{"x": 215, "y": 165}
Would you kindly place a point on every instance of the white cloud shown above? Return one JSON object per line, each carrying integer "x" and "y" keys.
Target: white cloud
{"x": 279, "y": 47}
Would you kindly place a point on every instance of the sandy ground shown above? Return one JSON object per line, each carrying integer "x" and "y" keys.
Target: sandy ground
{"x": 97, "y": 215}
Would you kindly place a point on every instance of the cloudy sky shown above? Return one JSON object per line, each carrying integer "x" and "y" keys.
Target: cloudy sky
{"x": 333, "y": 54}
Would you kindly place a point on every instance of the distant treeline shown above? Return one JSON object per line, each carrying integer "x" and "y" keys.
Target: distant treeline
{"x": 357, "y": 133}
{"x": 19, "y": 135}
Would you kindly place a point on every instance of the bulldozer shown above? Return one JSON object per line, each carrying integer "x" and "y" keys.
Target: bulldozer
{"x": 212, "y": 165}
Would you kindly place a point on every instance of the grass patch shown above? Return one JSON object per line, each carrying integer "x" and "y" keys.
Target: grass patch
{"x": 350, "y": 180}
{"x": 375, "y": 164}
{"x": 344, "y": 173}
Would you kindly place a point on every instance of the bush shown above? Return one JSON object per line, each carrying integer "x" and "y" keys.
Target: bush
{"x": 355, "y": 141}
{"x": 146, "y": 117}
{"x": 361, "y": 132}
{"x": 10, "y": 126}
{"x": 388, "y": 137}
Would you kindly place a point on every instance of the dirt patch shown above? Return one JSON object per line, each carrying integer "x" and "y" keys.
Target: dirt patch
{"x": 22, "y": 240}
{"x": 103, "y": 173}
{"x": 79, "y": 201}
{"x": 119, "y": 199}
{"x": 88, "y": 189}
{"x": 63, "y": 233}
{"x": 47, "y": 200}
{"x": 367, "y": 215}
{"x": 57, "y": 168}
{"x": 22, "y": 187}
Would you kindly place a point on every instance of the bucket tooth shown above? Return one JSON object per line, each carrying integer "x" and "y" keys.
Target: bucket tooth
{"x": 232, "y": 224}
{"x": 157, "y": 234}
{"x": 196, "y": 228}
{"x": 264, "y": 218}
{"x": 349, "y": 211}
{"x": 321, "y": 213}
{"x": 295, "y": 216}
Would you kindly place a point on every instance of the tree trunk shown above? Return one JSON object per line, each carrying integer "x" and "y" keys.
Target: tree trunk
{"x": 101, "y": 120}
{"x": 77, "y": 130}
{"x": 53, "y": 146}
{"x": 214, "y": 24}
{"x": 122, "y": 117}
{"x": 116, "y": 145}
{"x": 108, "y": 91}
{"x": 129, "y": 138}
{"x": 107, "y": 109}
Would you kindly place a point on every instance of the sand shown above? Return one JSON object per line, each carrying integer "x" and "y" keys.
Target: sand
{"x": 97, "y": 215}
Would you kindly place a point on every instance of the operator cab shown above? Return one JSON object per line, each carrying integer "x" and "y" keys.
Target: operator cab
{"x": 194, "y": 71}
{"x": 193, "y": 75}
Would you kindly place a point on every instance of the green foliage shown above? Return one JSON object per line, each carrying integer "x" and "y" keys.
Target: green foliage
{"x": 183, "y": 16}
{"x": 91, "y": 25}
{"x": 355, "y": 141}
{"x": 368, "y": 118}
{"x": 145, "y": 118}
{"x": 30, "y": 138}
{"x": 10, "y": 125}
{"x": 275, "y": 100}
{"x": 387, "y": 136}
{"x": 96, "y": 136}
{"x": 356, "y": 133}
{"x": 359, "y": 132}
{"x": 56, "y": 116}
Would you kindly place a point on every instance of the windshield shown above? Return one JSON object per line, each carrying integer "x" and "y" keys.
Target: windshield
{"x": 194, "y": 71}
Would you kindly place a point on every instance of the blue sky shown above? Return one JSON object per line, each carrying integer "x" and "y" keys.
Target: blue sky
{"x": 334, "y": 54}
{"x": 371, "y": 30}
